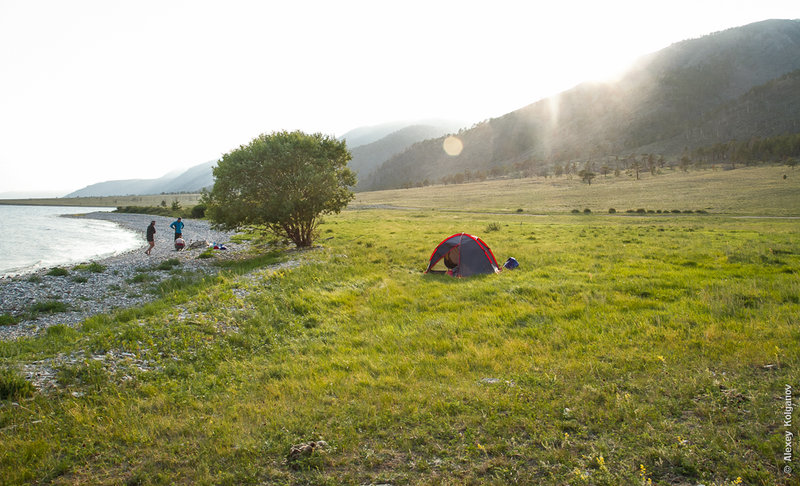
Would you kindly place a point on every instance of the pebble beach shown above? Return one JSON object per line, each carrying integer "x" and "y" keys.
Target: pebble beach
{"x": 86, "y": 293}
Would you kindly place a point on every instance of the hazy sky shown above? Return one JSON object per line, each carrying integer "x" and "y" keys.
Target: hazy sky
{"x": 99, "y": 90}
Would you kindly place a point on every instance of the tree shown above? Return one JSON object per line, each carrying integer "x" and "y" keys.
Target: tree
{"x": 586, "y": 176}
{"x": 285, "y": 181}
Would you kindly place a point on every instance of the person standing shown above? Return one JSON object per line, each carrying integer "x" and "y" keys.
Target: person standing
{"x": 178, "y": 227}
{"x": 151, "y": 237}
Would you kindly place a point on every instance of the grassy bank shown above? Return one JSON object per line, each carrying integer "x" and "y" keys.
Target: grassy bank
{"x": 625, "y": 350}
{"x": 185, "y": 200}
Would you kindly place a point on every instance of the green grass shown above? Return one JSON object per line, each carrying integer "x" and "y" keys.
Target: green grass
{"x": 624, "y": 349}
{"x": 58, "y": 272}
{"x": 93, "y": 267}
{"x": 168, "y": 264}
{"x": 48, "y": 307}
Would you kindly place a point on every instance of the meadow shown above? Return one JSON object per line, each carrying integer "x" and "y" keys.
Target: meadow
{"x": 626, "y": 349}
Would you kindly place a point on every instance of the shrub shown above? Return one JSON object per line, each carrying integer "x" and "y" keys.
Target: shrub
{"x": 95, "y": 267}
{"x": 612, "y": 211}
{"x": 587, "y": 211}
{"x": 48, "y": 307}
{"x": 13, "y": 386}
{"x": 676, "y": 211}
{"x": 641, "y": 211}
{"x": 58, "y": 272}
{"x": 168, "y": 264}
{"x": 520, "y": 210}
{"x": 576, "y": 211}
{"x": 140, "y": 278}
{"x": 492, "y": 227}
{"x": 199, "y": 211}
{"x": 8, "y": 320}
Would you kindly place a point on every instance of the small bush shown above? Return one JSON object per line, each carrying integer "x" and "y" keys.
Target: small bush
{"x": 95, "y": 267}
{"x": 520, "y": 210}
{"x": 8, "y": 320}
{"x": 168, "y": 264}
{"x": 676, "y": 211}
{"x": 576, "y": 211}
{"x": 587, "y": 211}
{"x": 48, "y": 307}
{"x": 209, "y": 253}
{"x": 35, "y": 279}
{"x": 140, "y": 278}
{"x": 612, "y": 211}
{"x": 199, "y": 211}
{"x": 13, "y": 386}
{"x": 492, "y": 227}
{"x": 80, "y": 279}
{"x": 641, "y": 211}
{"x": 58, "y": 272}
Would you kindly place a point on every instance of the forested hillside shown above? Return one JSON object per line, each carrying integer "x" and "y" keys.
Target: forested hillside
{"x": 736, "y": 84}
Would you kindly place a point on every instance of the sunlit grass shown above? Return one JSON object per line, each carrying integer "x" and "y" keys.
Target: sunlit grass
{"x": 623, "y": 348}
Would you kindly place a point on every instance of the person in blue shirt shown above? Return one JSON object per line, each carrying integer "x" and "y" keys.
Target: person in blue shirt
{"x": 178, "y": 227}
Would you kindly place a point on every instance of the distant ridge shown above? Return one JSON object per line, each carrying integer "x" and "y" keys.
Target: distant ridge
{"x": 194, "y": 179}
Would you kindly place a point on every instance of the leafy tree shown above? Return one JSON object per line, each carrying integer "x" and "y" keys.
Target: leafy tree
{"x": 586, "y": 176}
{"x": 285, "y": 181}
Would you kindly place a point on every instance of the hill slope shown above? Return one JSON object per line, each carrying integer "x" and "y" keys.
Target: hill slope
{"x": 367, "y": 158}
{"x": 194, "y": 179}
{"x": 668, "y": 102}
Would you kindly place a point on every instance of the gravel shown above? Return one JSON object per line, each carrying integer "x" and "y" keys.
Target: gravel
{"x": 86, "y": 293}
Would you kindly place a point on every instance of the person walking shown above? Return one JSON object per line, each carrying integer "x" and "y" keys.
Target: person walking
{"x": 151, "y": 237}
{"x": 178, "y": 227}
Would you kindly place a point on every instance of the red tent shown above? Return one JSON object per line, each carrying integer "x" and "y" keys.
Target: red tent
{"x": 462, "y": 255}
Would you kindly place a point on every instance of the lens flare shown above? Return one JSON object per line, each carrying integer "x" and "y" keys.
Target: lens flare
{"x": 452, "y": 146}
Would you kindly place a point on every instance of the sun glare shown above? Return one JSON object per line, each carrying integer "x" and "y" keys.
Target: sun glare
{"x": 452, "y": 146}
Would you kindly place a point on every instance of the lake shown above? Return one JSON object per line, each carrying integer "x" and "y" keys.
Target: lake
{"x": 36, "y": 237}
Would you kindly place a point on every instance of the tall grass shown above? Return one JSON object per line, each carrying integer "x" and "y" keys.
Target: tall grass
{"x": 624, "y": 349}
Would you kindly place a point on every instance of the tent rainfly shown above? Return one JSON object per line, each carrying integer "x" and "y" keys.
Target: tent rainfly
{"x": 462, "y": 255}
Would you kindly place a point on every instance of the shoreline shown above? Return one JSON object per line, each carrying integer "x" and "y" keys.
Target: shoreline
{"x": 122, "y": 284}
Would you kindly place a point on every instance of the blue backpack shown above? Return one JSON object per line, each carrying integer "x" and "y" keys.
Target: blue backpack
{"x": 511, "y": 263}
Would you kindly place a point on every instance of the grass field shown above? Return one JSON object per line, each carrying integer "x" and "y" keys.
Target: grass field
{"x": 761, "y": 191}
{"x": 627, "y": 349}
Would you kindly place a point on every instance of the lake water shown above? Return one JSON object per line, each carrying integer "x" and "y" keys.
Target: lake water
{"x": 35, "y": 237}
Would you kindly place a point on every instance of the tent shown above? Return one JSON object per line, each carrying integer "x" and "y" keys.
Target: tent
{"x": 462, "y": 255}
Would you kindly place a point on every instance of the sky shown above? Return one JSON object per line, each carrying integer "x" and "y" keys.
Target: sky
{"x": 97, "y": 90}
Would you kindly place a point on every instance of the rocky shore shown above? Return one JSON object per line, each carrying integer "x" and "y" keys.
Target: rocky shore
{"x": 121, "y": 281}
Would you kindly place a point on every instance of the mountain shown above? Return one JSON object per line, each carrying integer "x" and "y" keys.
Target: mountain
{"x": 367, "y": 158}
{"x": 194, "y": 179}
{"x": 738, "y": 83}
{"x": 369, "y": 134}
